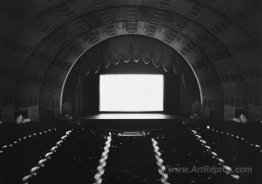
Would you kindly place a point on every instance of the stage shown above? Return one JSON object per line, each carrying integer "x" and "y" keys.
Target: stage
{"x": 131, "y": 121}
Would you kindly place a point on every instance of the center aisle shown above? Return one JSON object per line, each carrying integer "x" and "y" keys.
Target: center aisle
{"x": 131, "y": 160}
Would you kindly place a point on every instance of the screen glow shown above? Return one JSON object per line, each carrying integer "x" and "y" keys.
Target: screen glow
{"x": 131, "y": 92}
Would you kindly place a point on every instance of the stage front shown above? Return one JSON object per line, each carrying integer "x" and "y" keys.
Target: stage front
{"x": 131, "y": 121}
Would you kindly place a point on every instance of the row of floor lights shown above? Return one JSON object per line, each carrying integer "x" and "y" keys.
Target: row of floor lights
{"x": 7, "y": 146}
{"x": 48, "y": 155}
{"x": 256, "y": 146}
{"x": 214, "y": 155}
{"x": 102, "y": 161}
{"x": 161, "y": 167}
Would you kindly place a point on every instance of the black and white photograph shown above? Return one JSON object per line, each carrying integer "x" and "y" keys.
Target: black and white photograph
{"x": 130, "y": 91}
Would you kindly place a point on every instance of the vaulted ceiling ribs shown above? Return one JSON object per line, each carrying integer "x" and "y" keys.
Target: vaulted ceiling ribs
{"x": 44, "y": 39}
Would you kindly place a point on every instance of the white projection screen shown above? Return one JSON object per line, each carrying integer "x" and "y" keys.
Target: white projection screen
{"x": 131, "y": 92}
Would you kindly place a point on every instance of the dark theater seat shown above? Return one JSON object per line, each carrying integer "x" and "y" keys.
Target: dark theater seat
{"x": 22, "y": 153}
{"x": 251, "y": 130}
{"x": 187, "y": 153}
{"x": 73, "y": 155}
{"x": 76, "y": 161}
{"x": 132, "y": 160}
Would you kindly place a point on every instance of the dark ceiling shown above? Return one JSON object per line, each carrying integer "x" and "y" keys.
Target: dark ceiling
{"x": 40, "y": 40}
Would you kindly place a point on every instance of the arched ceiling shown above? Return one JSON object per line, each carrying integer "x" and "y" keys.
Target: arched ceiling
{"x": 40, "y": 40}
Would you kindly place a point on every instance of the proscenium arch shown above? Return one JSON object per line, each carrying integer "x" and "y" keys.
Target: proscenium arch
{"x": 101, "y": 42}
{"x": 130, "y": 54}
{"x": 122, "y": 32}
{"x": 119, "y": 34}
{"x": 100, "y": 65}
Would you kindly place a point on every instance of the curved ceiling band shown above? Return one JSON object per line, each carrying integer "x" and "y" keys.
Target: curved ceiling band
{"x": 187, "y": 36}
{"x": 172, "y": 12}
{"x": 43, "y": 91}
{"x": 48, "y": 37}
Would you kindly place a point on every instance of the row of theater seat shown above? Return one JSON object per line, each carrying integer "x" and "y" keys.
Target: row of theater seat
{"x": 239, "y": 152}
{"x": 19, "y": 156}
{"x": 11, "y": 132}
{"x": 181, "y": 150}
{"x": 153, "y": 158}
{"x": 75, "y": 162}
{"x": 42, "y": 162}
{"x": 251, "y": 130}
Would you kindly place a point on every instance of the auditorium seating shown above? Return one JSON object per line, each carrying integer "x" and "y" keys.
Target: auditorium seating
{"x": 75, "y": 162}
{"x": 236, "y": 145}
{"x": 10, "y": 131}
{"x": 20, "y": 154}
{"x": 76, "y": 154}
{"x": 251, "y": 130}
{"x": 181, "y": 149}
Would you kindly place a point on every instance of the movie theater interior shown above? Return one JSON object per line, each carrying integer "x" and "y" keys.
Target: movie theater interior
{"x": 130, "y": 92}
